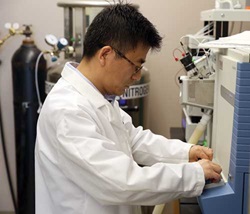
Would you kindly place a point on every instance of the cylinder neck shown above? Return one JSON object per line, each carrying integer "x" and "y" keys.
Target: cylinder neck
{"x": 28, "y": 41}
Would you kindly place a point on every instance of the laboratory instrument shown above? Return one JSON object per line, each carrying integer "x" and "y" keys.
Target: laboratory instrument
{"x": 229, "y": 70}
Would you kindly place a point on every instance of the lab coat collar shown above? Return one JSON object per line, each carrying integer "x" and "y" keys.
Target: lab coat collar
{"x": 83, "y": 87}
{"x": 86, "y": 89}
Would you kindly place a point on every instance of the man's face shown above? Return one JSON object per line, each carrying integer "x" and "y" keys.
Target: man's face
{"x": 121, "y": 72}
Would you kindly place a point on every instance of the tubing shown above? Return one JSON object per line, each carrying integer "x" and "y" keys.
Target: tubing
{"x": 6, "y": 162}
{"x": 200, "y": 128}
{"x": 37, "y": 82}
{"x": 158, "y": 209}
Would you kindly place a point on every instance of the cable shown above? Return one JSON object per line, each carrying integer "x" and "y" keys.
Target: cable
{"x": 5, "y": 156}
{"x": 204, "y": 29}
{"x": 12, "y": 32}
{"x": 177, "y": 49}
{"x": 175, "y": 77}
{"x": 205, "y": 33}
{"x": 6, "y": 162}
{"x": 205, "y": 52}
{"x": 202, "y": 32}
{"x": 182, "y": 39}
{"x": 36, "y": 82}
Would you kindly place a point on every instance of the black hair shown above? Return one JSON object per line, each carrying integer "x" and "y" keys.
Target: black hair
{"x": 121, "y": 26}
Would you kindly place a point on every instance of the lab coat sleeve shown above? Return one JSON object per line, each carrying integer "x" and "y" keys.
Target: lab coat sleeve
{"x": 149, "y": 148}
{"x": 94, "y": 164}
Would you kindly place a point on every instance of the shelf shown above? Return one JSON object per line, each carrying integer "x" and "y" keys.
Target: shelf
{"x": 226, "y": 15}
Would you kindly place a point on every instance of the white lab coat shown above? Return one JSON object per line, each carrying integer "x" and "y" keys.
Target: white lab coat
{"x": 87, "y": 155}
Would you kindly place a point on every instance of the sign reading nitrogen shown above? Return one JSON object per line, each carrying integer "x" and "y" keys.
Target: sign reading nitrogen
{"x": 136, "y": 91}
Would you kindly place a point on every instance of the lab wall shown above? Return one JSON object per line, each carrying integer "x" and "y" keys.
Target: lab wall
{"x": 173, "y": 19}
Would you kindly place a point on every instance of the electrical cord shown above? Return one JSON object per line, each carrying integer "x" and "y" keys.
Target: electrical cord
{"x": 7, "y": 163}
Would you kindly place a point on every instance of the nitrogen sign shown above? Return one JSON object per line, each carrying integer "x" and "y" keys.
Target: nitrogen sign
{"x": 136, "y": 91}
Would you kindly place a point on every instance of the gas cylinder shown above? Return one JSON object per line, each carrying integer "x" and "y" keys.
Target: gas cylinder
{"x": 54, "y": 73}
{"x": 26, "y": 114}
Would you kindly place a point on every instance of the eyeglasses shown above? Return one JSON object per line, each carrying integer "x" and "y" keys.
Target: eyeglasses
{"x": 137, "y": 68}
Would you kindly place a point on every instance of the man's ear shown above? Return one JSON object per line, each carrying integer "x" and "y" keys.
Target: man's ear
{"x": 104, "y": 54}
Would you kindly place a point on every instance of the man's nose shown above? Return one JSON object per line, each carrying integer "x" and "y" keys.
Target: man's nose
{"x": 136, "y": 76}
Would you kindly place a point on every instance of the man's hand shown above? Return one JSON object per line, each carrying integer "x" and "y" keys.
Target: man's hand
{"x": 204, "y": 155}
{"x": 200, "y": 152}
{"x": 211, "y": 170}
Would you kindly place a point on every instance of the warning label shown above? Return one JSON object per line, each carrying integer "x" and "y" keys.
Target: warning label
{"x": 136, "y": 91}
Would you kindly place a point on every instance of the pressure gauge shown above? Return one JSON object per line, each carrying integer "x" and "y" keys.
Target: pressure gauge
{"x": 51, "y": 40}
{"x": 62, "y": 43}
{"x": 7, "y": 25}
{"x": 15, "y": 26}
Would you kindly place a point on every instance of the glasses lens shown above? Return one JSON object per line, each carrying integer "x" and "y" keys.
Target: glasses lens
{"x": 137, "y": 69}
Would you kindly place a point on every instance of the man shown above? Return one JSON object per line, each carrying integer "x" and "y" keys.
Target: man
{"x": 90, "y": 159}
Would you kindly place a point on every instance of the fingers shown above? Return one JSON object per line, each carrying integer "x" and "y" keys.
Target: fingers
{"x": 206, "y": 153}
{"x": 215, "y": 178}
{"x": 216, "y": 175}
{"x": 211, "y": 170}
{"x": 200, "y": 152}
{"x": 209, "y": 153}
{"x": 216, "y": 167}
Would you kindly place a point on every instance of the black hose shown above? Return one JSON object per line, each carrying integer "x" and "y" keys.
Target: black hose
{"x": 6, "y": 162}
